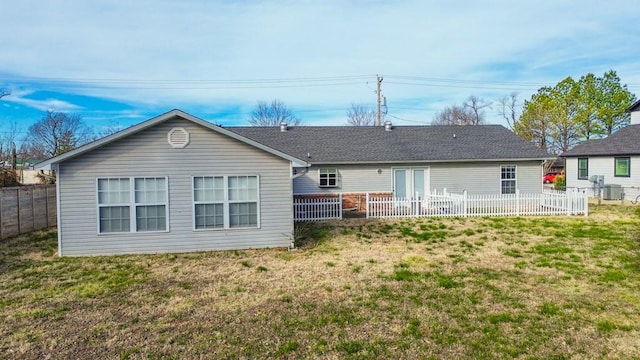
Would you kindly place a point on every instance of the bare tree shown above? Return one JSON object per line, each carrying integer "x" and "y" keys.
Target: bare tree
{"x": 360, "y": 115}
{"x": 508, "y": 109}
{"x": 111, "y": 128}
{"x": 273, "y": 114}
{"x": 57, "y": 133}
{"x": 8, "y": 175}
{"x": 8, "y": 134}
{"x": 454, "y": 115}
{"x": 8, "y": 139}
{"x": 476, "y": 105}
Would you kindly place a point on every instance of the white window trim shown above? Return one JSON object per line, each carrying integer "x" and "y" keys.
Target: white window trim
{"x": 515, "y": 180}
{"x": 132, "y": 204}
{"x": 334, "y": 171}
{"x": 225, "y": 205}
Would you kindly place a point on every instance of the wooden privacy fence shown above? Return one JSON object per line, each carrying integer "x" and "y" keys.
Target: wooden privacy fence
{"x": 443, "y": 204}
{"x": 317, "y": 208}
{"x": 26, "y": 208}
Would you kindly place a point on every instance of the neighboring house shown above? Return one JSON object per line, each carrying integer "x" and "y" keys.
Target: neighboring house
{"x": 555, "y": 166}
{"x": 174, "y": 183}
{"x": 177, "y": 183}
{"x": 405, "y": 161}
{"x": 616, "y": 157}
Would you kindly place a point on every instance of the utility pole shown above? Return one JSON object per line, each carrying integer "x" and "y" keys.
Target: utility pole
{"x": 379, "y": 93}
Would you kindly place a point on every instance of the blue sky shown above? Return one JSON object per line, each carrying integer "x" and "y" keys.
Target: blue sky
{"x": 122, "y": 62}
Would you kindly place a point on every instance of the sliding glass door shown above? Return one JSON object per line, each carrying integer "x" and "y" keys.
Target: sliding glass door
{"x": 410, "y": 182}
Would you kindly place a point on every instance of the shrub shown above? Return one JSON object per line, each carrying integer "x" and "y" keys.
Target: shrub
{"x": 560, "y": 183}
{"x": 8, "y": 177}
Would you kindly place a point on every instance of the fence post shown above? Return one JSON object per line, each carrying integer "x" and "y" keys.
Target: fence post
{"x": 465, "y": 204}
{"x": 569, "y": 203}
{"x": 517, "y": 202}
{"x": 18, "y": 211}
{"x": 367, "y": 204}
{"x": 585, "y": 199}
{"x": 340, "y": 206}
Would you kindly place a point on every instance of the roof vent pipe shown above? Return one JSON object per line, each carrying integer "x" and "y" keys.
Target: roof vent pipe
{"x": 387, "y": 126}
{"x": 283, "y": 126}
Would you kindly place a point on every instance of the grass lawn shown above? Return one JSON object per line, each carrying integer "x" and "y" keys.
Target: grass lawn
{"x": 530, "y": 288}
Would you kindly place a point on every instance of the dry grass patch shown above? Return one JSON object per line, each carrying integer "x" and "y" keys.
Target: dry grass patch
{"x": 546, "y": 287}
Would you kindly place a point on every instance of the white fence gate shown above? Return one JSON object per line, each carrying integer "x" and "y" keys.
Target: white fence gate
{"x": 317, "y": 208}
{"x": 444, "y": 204}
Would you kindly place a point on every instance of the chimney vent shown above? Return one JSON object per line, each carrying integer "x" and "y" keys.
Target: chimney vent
{"x": 388, "y": 126}
{"x": 283, "y": 126}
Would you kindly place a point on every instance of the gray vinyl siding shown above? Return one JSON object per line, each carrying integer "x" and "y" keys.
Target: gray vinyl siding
{"x": 604, "y": 165}
{"x": 484, "y": 177}
{"x": 351, "y": 179}
{"x": 148, "y": 154}
{"x": 475, "y": 178}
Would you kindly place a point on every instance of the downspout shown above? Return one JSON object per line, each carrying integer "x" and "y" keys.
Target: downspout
{"x": 306, "y": 170}
{"x": 56, "y": 169}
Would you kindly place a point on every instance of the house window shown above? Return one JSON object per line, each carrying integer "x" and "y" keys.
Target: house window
{"x": 328, "y": 177}
{"x": 114, "y": 204}
{"x": 622, "y": 167}
{"x": 508, "y": 179}
{"x": 583, "y": 168}
{"x": 208, "y": 196}
{"x": 151, "y": 204}
{"x": 223, "y": 202}
{"x": 119, "y": 197}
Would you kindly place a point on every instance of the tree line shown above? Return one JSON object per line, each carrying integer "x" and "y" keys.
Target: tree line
{"x": 559, "y": 117}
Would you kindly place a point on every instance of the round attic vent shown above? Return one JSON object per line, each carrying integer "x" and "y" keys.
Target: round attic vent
{"x": 178, "y": 138}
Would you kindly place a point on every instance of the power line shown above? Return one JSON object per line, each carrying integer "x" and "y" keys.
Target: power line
{"x": 466, "y": 81}
{"x": 462, "y": 86}
{"x": 191, "y": 81}
{"x": 407, "y": 120}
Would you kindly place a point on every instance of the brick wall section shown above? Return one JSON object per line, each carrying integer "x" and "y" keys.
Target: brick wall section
{"x": 357, "y": 201}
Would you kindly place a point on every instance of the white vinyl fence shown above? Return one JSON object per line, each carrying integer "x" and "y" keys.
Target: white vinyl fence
{"x": 317, "y": 208}
{"x": 444, "y": 204}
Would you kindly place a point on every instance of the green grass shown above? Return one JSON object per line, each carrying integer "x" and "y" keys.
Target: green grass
{"x": 499, "y": 288}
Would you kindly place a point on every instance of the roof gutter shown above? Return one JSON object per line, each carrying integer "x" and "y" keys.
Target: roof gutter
{"x": 429, "y": 161}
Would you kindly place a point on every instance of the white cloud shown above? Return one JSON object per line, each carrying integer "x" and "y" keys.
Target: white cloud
{"x": 21, "y": 97}
{"x": 150, "y": 43}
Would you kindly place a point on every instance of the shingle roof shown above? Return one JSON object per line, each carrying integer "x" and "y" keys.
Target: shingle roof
{"x": 633, "y": 107}
{"x": 625, "y": 141}
{"x": 371, "y": 144}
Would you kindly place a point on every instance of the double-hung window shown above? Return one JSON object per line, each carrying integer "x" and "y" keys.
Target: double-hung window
{"x": 583, "y": 168}
{"x": 328, "y": 177}
{"x": 208, "y": 195}
{"x": 114, "y": 205}
{"x": 223, "y": 202}
{"x": 622, "y": 167}
{"x": 151, "y": 204}
{"x": 132, "y": 204}
{"x": 508, "y": 179}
